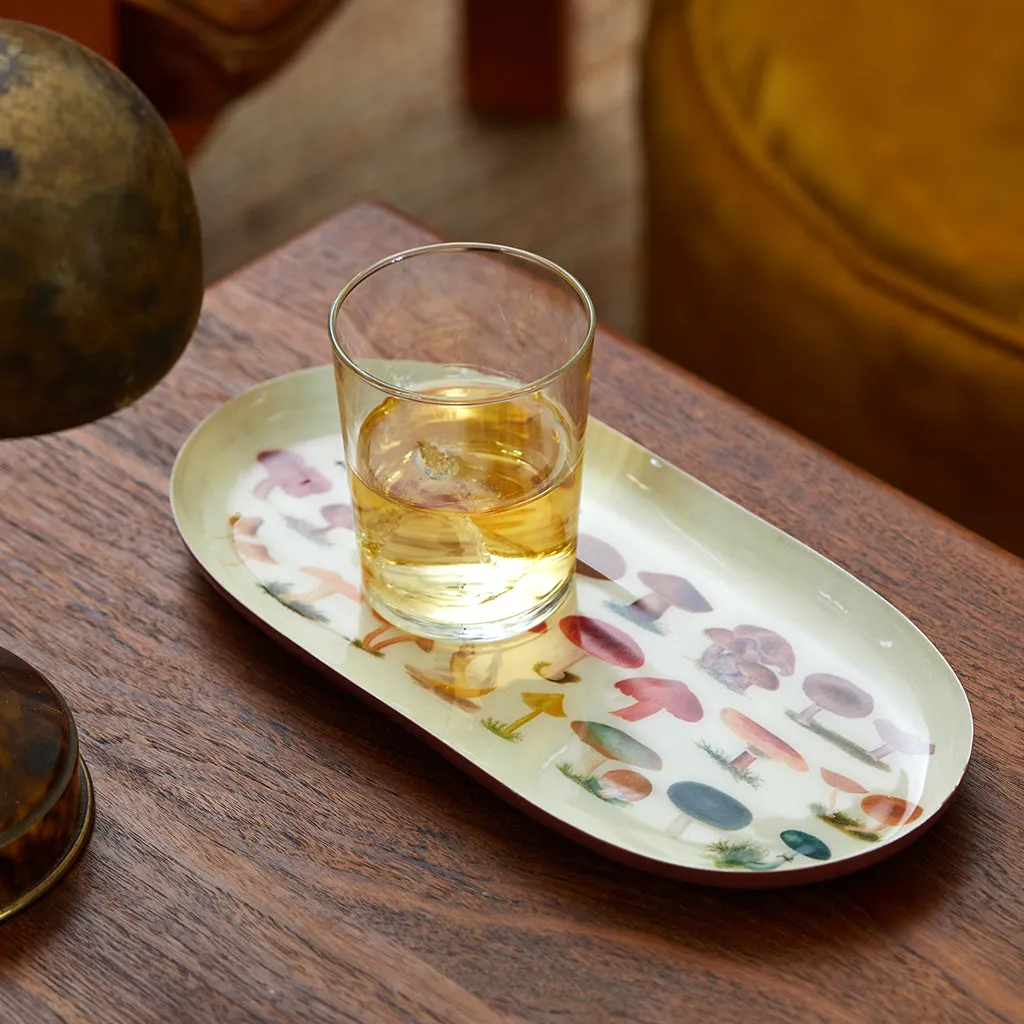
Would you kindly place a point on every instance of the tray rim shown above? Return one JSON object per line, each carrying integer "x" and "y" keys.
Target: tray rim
{"x": 706, "y": 876}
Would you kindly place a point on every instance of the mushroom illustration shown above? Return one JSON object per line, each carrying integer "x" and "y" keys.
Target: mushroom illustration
{"x": 747, "y": 656}
{"x": 590, "y": 637}
{"x": 336, "y": 517}
{"x": 835, "y": 694}
{"x": 890, "y": 811}
{"x": 839, "y": 783}
{"x": 422, "y": 642}
{"x": 610, "y": 744}
{"x": 247, "y": 526}
{"x": 255, "y": 552}
{"x": 664, "y": 591}
{"x": 538, "y": 703}
{"x": 760, "y": 743}
{"x": 805, "y": 844}
{"x": 597, "y": 559}
{"x": 624, "y": 786}
{"x": 366, "y": 642}
{"x": 699, "y": 802}
{"x": 452, "y": 684}
{"x": 654, "y": 695}
{"x": 331, "y": 583}
{"x": 289, "y": 471}
{"x": 895, "y": 739}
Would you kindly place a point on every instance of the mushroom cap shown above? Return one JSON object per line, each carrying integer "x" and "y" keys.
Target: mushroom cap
{"x": 722, "y": 637}
{"x": 670, "y": 694}
{"x": 338, "y": 515}
{"x": 904, "y": 742}
{"x": 709, "y": 806}
{"x": 838, "y": 695}
{"x": 548, "y": 703}
{"x": 616, "y": 744}
{"x": 774, "y": 651}
{"x": 837, "y": 781}
{"x": 890, "y": 810}
{"x": 597, "y": 559}
{"x": 625, "y": 784}
{"x": 602, "y": 641}
{"x": 674, "y": 589}
{"x": 806, "y": 844}
{"x": 759, "y": 675}
{"x": 760, "y": 740}
{"x": 248, "y": 526}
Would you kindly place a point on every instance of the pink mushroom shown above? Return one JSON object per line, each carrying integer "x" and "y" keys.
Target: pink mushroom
{"x": 654, "y": 695}
{"x": 839, "y": 784}
{"x": 247, "y": 526}
{"x": 335, "y": 516}
{"x": 594, "y": 638}
{"x": 289, "y": 471}
{"x": 597, "y": 559}
{"x": 895, "y": 739}
{"x": 664, "y": 591}
{"x": 760, "y": 743}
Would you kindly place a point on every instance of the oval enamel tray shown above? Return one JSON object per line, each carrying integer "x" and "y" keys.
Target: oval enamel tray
{"x": 715, "y": 702}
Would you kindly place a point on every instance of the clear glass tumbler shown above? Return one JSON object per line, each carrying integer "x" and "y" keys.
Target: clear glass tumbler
{"x": 463, "y": 374}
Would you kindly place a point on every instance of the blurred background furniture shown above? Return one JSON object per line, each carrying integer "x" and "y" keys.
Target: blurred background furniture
{"x": 835, "y": 229}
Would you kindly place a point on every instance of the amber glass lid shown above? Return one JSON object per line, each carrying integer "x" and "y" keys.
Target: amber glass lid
{"x": 45, "y": 795}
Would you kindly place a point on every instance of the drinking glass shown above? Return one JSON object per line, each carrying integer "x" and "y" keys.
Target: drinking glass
{"x": 463, "y": 373}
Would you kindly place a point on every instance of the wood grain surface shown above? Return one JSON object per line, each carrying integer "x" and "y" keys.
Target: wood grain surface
{"x": 268, "y": 849}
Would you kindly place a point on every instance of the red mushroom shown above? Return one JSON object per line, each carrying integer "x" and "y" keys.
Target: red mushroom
{"x": 890, "y": 811}
{"x": 760, "y": 743}
{"x": 839, "y": 783}
{"x": 597, "y": 559}
{"x": 624, "y": 786}
{"x": 894, "y": 739}
{"x": 835, "y": 694}
{"x": 590, "y": 637}
{"x": 654, "y": 695}
{"x": 289, "y": 471}
{"x": 664, "y": 591}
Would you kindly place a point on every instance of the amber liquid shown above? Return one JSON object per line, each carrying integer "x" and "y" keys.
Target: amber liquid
{"x": 466, "y": 514}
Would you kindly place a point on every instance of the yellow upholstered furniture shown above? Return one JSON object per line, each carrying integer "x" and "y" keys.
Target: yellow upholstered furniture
{"x": 835, "y": 229}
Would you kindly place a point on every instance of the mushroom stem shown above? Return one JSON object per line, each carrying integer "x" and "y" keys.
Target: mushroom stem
{"x": 406, "y": 638}
{"x": 367, "y": 641}
{"x": 832, "y": 797}
{"x": 679, "y": 825}
{"x": 882, "y": 752}
{"x": 522, "y": 721}
{"x": 807, "y": 715}
{"x": 589, "y": 763}
{"x": 318, "y": 593}
{"x": 744, "y": 760}
{"x": 648, "y": 608}
{"x": 555, "y": 671}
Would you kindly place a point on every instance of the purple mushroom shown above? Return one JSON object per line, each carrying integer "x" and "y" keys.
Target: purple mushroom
{"x": 835, "y": 694}
{"x": 895, "y": 739}
{"x": 597, "y": 559}
{"x": 289, "y": 471}
{"x": 664, "y": 591}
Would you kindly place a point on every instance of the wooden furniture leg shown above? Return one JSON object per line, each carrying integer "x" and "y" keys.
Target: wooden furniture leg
{"x": 515, "y": 57}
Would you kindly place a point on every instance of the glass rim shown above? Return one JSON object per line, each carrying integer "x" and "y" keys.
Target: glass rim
{"x": 436, "y": 247}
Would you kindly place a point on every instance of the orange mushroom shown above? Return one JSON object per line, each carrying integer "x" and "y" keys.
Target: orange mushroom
{"x": 331, "y": 583}
{"x": 539, "y": 704}
{"x": 760, "y": 743}
{"x": 890, "y": 811}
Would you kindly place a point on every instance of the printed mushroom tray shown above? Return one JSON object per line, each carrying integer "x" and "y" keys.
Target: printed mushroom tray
{"x": 715, "y": 701}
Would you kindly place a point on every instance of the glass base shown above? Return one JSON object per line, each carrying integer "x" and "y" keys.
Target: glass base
{"x": 477, "y": 632}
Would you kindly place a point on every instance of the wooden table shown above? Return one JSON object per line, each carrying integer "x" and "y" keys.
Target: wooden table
{"x": 269, "y": 849}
